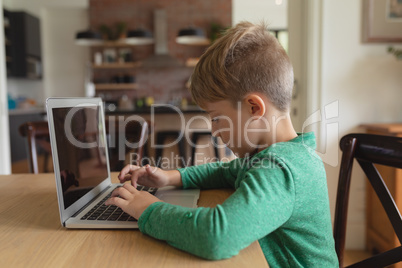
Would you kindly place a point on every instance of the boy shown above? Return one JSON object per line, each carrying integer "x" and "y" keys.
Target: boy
{"x": 244, "y": 81}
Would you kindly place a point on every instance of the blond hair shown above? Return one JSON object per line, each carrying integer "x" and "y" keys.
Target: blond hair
{"x": 246, "y": 59}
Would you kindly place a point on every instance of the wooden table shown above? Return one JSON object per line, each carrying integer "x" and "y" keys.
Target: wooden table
{"x": 31, "y": 234}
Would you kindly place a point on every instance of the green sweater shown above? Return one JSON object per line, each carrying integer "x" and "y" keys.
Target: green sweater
{"x": 281, "y": 200}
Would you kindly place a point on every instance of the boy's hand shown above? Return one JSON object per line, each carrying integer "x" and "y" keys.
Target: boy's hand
{"x": 131, "y": 201}
{"x": 149, "y": 176}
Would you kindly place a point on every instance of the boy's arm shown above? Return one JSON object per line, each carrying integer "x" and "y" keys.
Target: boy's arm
{"x": 259, "y": 206}
{"x": 211, "y": 175}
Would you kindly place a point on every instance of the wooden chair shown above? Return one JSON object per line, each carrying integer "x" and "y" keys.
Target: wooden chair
{"x": 136, "y": 133}
{"x": 37, "y": 134}
{"x": 368, "y": 150}
{"x": 198, "y": 134}
{"x": 161, "y": 137}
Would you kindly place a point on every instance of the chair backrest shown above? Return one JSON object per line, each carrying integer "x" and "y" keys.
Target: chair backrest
{"x": 37, "y": 134}
{"x": 124, "y": 137}
{"x": 368, "y": 150}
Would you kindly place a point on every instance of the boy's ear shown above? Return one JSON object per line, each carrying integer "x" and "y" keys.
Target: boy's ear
{"x": 255, "y": 105}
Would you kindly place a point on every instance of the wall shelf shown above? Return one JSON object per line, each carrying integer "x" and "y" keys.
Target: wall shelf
{"x": 115, "y": 65}
{"x": 123, "y": 86}
{"x": 113, "y": 68}
{"x": 116, "y": 43}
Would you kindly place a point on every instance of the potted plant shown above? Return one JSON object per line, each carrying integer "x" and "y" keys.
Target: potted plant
{"x": 396, "y": 52}
{"x": 120, "y": 30}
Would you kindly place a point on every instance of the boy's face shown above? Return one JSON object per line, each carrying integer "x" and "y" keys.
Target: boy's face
{"x": 229, "y": 124}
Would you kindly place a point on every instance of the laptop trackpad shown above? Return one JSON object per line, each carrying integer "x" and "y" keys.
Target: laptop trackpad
{"x": 179, "y": 199}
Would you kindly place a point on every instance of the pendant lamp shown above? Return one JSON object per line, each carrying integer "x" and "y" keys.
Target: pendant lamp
{"x": 139, "y": 37}
{"x": 88, "y": 38}
{"x": 192, "y": 36}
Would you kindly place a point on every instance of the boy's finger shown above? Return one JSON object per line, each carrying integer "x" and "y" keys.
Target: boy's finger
{"x": 150, "y": 170}
{"x": 124, "y": 178}
{"x": 126, "y": 170}
{"x": 117, "y": 201}
{"x": 136, "y": 174}
{"x": 126, "y": 192}
{"x": 116, "y": 192}
{"x": 130, "y": 188}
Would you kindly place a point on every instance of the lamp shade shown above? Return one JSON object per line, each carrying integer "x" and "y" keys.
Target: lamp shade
{"x": 139, "y": 37}
{"x": 88, "y": 38}
{"x": 192, "y": 36}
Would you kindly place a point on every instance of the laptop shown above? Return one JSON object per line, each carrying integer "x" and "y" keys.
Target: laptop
{"x": 82, "y": 171}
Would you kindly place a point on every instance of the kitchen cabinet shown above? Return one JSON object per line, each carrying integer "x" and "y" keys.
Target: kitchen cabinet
{"x": 7, "y": 41}
{"x": 380, "y": 234}
{"x": 23, "y": 46}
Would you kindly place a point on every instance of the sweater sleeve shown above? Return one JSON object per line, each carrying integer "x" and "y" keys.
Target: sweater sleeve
{"x": 263, "y": 202}
{"x": 212, "y": 175}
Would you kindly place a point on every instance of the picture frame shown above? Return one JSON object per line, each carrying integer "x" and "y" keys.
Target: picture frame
{"x": 382, "y": 21}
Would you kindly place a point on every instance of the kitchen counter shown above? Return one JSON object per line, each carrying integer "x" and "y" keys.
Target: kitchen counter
{"x": 163, "y": 109}
{"x": 27, "y": 111}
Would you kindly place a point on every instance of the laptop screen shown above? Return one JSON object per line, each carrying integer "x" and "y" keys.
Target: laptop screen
{"x": 81, "y": 150}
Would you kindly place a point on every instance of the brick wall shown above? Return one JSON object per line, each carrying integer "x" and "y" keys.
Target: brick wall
{"x": 180, "y": 14}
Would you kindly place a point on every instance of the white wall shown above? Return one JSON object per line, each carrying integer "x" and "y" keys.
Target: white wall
{"x": 367, "y": 82}
{"x": 64, "y": 61}
{"x": 5, "y": 159}
{"x": 258, "y": 10}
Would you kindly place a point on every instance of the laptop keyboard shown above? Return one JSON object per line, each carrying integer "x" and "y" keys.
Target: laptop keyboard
{"x": 101, "y": 212}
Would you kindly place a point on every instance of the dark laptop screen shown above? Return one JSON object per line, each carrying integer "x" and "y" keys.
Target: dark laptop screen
{"x": 81, "y": 150}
